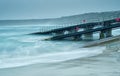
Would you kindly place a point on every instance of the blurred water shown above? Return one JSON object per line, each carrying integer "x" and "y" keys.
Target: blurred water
{"x": 18, "y": 49}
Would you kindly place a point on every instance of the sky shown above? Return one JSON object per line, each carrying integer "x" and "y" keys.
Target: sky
{"x": 41, "y": 9}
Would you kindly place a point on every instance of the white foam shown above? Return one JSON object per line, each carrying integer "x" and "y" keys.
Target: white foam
{"x": 50, "y": 58}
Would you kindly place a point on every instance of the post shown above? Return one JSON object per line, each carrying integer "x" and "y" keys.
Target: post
{"x": 109, "y": 33}
{"x": 102, "y": 34}
{"x": 106, "y": 33}
{"x": 88, "y": 35}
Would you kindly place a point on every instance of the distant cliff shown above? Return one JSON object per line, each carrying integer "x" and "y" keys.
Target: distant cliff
{"x": 67, "y": 20}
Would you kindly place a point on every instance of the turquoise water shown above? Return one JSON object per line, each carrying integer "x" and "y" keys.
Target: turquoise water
{"x": 19, "y": 49}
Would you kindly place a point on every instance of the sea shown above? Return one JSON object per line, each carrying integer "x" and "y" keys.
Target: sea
{"x": 19, "y": 49}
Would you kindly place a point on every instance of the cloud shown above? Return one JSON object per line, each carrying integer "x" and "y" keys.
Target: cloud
{"x": 25, "y": 9}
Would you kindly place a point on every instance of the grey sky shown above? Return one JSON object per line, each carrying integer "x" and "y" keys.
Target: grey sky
{"x": 39, "y": 9}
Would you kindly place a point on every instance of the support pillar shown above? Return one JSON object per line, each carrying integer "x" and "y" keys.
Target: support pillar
{"x": 88, "y": 36}
{"x": 102, "y": 34}
{"x": 106, "y": 33}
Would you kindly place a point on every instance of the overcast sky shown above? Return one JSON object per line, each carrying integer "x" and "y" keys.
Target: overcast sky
{"x": 39, "y": 9}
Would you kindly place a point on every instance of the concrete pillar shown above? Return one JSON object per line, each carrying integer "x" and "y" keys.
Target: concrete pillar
{"x": 88, "y": 35}
{"x": 102, "y": 34}
{"x": 106, "y": 33}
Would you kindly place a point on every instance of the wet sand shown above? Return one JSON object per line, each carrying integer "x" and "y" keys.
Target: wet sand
{"x": 95, "y": 66}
